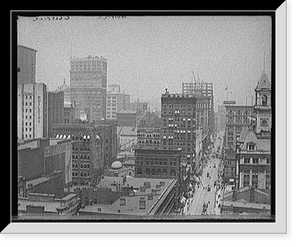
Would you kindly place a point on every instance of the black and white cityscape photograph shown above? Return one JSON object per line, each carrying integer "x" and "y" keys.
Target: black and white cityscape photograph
{"x": 125, "y": 117}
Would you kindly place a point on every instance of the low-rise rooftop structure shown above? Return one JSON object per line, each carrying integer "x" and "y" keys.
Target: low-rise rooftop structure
{"x": 137, "y": 197}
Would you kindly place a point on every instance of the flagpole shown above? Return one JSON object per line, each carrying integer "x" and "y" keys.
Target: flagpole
{"x": 227, "y": 93}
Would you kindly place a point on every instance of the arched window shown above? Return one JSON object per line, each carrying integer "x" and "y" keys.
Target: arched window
{"x": 164, "y": 172}
{"x": 264, "y": 100}
{"x": 139, "y": 171}
{"x": 153, "y": 172}
{"x": 147, "y": 171}
{"x": 158, "y": 172}
{"x": 173, "y": 172}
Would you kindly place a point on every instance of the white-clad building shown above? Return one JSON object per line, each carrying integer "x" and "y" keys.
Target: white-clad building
{"x": 32, "y": 111}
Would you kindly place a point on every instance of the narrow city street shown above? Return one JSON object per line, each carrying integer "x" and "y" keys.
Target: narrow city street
{"x": 205, "y": 200}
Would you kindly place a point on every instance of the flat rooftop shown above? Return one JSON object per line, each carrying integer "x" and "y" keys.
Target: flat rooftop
{"x": 145, "y": 190}
{"x": 48, "y": 206}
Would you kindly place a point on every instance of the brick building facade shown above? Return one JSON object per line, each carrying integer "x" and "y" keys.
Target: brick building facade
{"x": 158, "y": 163}
{"x": 179, "y": 125}
{"x": 94, "y": 148}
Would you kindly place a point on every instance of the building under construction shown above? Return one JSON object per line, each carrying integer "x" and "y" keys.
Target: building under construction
{"x": 204, "y": 105}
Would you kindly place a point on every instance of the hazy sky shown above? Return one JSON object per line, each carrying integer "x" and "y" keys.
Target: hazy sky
{"x": 147, "y": 54}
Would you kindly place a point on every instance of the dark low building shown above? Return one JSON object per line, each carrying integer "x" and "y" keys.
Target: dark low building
{"x": 127, "y": 118}
{"x": 165, "y": 164}
{"x": 158, "y": 163}
{"x": 41, "y": 157}
{"x": 47, "y": 184}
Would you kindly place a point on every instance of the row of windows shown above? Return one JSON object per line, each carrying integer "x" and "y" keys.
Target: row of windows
{"x": 182, "y": 125}
{"x": 240, "y": 113}
{"x": 82, "y": 165}
{"x": 256, "y": 160}
{"x": 82, "y": 174}
{"x": 156, "y": 172}
{"x": 170, "y": 130}
{"x": 148, "y": 142}
{"x": 237, "y": 128}
{"x": 148, "y": 135}
{"x": 255, "y": 183}
{"x": 28, "y": 96}
{"x": 82, "y": 156}
{"x": 147, "y": 158}
{"x": 255, "y": 173}
{"x": 157, "y": 163}
{"x": 27, "y": 104}
{"x": 178, "y": 119}
{"x": 175, "y": 143}
{"x": 202, "y": 105}
{"x": 176, "y": 105}
{"x": 177, "y": 112}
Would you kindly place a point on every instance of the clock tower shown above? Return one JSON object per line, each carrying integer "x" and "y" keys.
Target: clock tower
{"x": 262, "y": 106}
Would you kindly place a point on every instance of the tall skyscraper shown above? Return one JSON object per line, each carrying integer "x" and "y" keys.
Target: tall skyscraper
{"x": 32, "y": 111}
{"x": 205, "y": 104}
{"x": 88, "y": 83}
{"x": 26, "y": 65}
{"x": 116, "y": 101}
{"x": 178, "y": 113}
